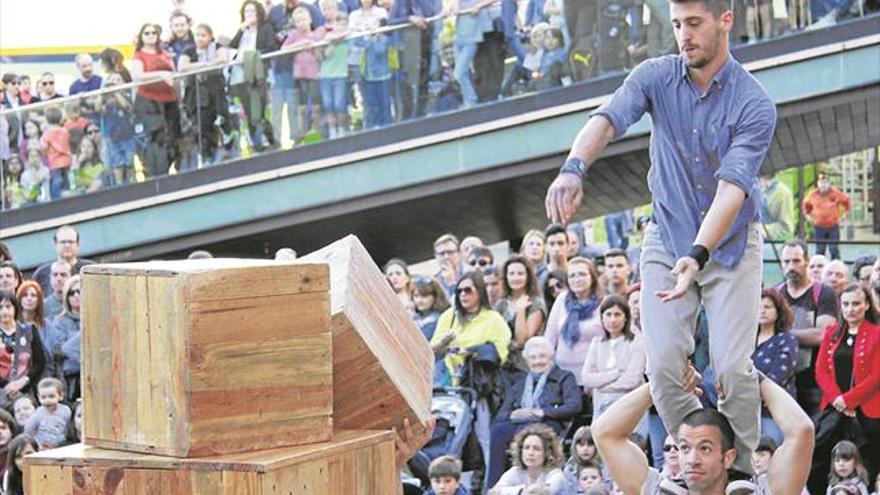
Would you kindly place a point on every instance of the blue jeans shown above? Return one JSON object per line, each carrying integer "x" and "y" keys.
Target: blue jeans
{"x": 464, "y": 56}
{"x": 57, "y": 182}
{"x": 826, "y": 238}
{"x": 615, "y": 228}
{"x": 334, "y": 94}
{"x": 819, "y": 8}
{"x": 378, "y": 100}
{"x": 657, "y": 434}
{"x": 284, "y": 92}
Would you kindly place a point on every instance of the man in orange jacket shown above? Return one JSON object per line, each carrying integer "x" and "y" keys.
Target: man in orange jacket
{"x": 822, "y": 208}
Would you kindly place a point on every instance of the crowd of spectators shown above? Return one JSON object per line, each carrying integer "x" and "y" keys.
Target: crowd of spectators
{"x": 548, "y": 337}
{"x": 346, "y": 65}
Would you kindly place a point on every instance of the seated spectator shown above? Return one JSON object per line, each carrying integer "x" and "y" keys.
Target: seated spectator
{"x": 89, "y": 172}
{"x": 574, "y": 319}
{"x": 862, "y": 268}
{"x": 546, "y": 394}
{"x": 589, "y": 477}
{"x": 400, "y": 281}
{"x": 847, "y": 374}
{"x": 62, "y": 332}
{"x": 535, "y": 453}
{"x": 762, "y": 457}
{"x": 9, "y": 429}
{"x": 445, "y": 475}
{"x": 553, "y": 70}
{"x": 24, "y": 408}
{"x": 816, "y": 266}
{"x": 672, "y": 469}
{"x": 615, "y": 363}
{"x": 836, "y": 276}
{"x": 48, "y": 425}
{"x": 776, "y": 351}
{"x": 522, "y": 308}
{"x": 847, "y": 469}
{"x": 10, "y": 277}
{"x": 583, "y": 453}
{"x": 19, "y": 376}
{"x": 19, "y": 447}
{"x": 520, "y": 77}
{"x": 443, "y": 93}
{"x": 429, "y": 302}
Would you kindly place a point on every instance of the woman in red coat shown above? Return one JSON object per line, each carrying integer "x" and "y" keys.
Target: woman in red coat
{"x": 848, "y": 367}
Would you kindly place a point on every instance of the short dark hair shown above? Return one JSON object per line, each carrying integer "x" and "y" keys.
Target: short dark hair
{"x": 716, "y": 7}
{"x": 15, "y": 269}
{"x": 861, "y": 262}
{"x": 482, "y": 252}
{"x": 766, "y": 444}
{"x": 616, "y": 253}
{"x": 54, "y": 116}
{"x": 798, "y": 243}
{"x": 711, "y": 417}
{"x": 553, "y": 229}
{"x": 445, "y": 466}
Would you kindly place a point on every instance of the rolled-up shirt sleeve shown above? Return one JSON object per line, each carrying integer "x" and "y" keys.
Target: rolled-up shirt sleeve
{"x": 749, "y": 144}
{"x": 630, "y": 101}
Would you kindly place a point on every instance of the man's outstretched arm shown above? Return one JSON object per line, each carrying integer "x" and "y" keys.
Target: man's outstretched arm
{"x": 791, "y": 462}
{"x": 625, "y": 460}
{"x": 566, "y": 192}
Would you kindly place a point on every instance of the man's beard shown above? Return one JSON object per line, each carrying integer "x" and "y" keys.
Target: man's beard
{"x": 793, "y": 276}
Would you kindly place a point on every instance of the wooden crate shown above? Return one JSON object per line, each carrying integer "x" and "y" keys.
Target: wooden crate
{"x": 382, "y": 364}
{"x": 193, "y": 358}
{"x": 352, "y": 463}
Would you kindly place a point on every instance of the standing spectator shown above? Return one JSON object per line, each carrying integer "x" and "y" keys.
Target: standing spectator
{"x": 24, "y": 83}
{"x": 479, "y": 258}
{"x": 400, "y": 281}
{"x": 557, "y": 250}
{"x": 777, "y": 208}
{"x": 57, "y": 148}
{"x": 67, "y": 245}
{"x": 33, "y": 311}
{"x": 375, "y": 70}
{"x": 471, "y": 22}
{"x": 88, "y": 80}
{"x": 494, "y": 284}
{"x": 758, "y": 21}
{"x": 533, "y": 249}
{"x": 468, "y": 244}
{"x": 118, "y": 124}
{"x": 615, "y": 363}
{"x": 5, "y": 253}
{"x": 776, "y": 351}
{"x": 447, "y": 257}
{"x": 554, "y": 287}
{"x": 21, "y": 356}
{"x": 420, "y": 47}
{"x": 247, "y": 80}
{"x": 616, "y": 227}
{"x": 522, "y": 308}
{"x": 618, "y": 271}
{"x": 862, "y": 269}
{"x": 306, "y": 67}
{"x": 112, "y": 60}
{"x": 575, "y": 318}
{"x": 822, "y": 208}
{"x": 334, "y": 75}
{"x": 36, "y": 178}
{"x": 488, "y": 62}
{"x": 659, "y": 36}
{"x": 836, "y": 276}
{"x": 815, "y": 308}
{"x": 848, "y": 375}
{"x": 64, "y": 336}
{"x": 47, "y": 90}
{"x": 762, "y": 457}
{"x": 157, "y": 113}
{"x": 181, "y": 42}
{"x": 30, "y": 139}
{"x": 816, "y": 267}
{"x": 60, "y": 271}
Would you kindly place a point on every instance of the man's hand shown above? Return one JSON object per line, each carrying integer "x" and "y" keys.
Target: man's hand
{"x": 686, "y": 269}
{"x": 564, "y": 197}
{"x": 408, "y": 443}
{"x": 419, "y": 21}
{"x": 691, "y": 380}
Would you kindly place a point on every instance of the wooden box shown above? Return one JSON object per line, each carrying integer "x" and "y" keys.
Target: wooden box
{"x": 382, "y": 364}
{"x": 194, "y": 358}
{"x": 352, "y": 463}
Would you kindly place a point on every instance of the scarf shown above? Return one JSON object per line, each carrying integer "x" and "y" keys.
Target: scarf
{"x": 577, "y": 312}
{"x": 531, "y": 397}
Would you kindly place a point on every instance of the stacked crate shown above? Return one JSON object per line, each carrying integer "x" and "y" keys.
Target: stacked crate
{"x": 228, "y": 376}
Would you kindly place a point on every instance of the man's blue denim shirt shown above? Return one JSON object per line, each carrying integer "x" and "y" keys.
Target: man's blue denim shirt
{"x": 696, "y": 140}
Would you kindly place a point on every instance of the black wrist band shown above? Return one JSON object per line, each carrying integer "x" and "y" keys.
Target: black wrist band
{"x": 574, "y": 166}
{"x": 700, "y": 254}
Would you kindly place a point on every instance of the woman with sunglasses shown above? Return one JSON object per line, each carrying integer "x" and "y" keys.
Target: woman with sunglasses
{"x": 21, "y": 352}
{"x": 554, "y": 286}
{"x": 848, "y": 374}
{"x": 398, "y": 277}
{"x": 64, "y": 334}
{"x": 522, "y": 307}
{"x": 157, "y": 114}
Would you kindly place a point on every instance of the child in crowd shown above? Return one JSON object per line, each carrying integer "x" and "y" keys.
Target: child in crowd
{"x": 519, "y": 79}
{"x": 445, "y": 475}
{"x": 75, "y": 123}
{"x": 23, "y": 408}
{"x": 13, "y": 193}
{"x": 48, "y": 425}
{"x": 554, "y": 62}
{"x": 31, "y": 139}
{"x": 375, "y": 71}
{"x": 443, "y": 95}
{"x": 118, "y": 131}
{"x": 583, "y": 452}
{"x": 22, "y": 445}
{"x": 590, "y": 476}
{"x": 88, "y": 170}
{"x": 306, "y": 68}
{"x": 8, "y": 430}
{"x": 56, "y": 146}
{"x": 847, "y": 469}
{"x": 334, "y": 71}
{"x": 35, "y": 179}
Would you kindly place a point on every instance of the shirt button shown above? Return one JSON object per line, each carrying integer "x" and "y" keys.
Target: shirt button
{"x": 694, "y": 131}
{"x": 699, "y": 186}
{"x": 696, "y": 158}
{"x": 703, "y": 213}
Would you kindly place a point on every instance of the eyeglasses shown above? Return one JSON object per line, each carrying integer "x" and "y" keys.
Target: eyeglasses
{"x": 481, "y": 262}
{"x": 150, "y": 33}
{"x": 48, "y": 83}
{"x": 464, "y": 290}
{"x": 670, "y": 448}
{"x": 73, "y": 292}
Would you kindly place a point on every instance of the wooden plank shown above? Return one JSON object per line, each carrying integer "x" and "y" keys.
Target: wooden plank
{"x": 49, "y": 479}
{"x": 98, "y": 378}
{"x": 382, "y": 366}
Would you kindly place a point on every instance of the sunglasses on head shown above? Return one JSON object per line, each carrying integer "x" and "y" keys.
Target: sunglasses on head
{"x": 670, "y": 448}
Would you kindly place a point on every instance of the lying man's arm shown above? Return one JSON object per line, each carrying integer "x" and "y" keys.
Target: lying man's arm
{"x": 625, "y": 460}
{"x": 791, "y": 462}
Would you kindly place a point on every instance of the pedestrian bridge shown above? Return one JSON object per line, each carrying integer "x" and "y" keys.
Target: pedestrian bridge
{"x": 482, "y": 170}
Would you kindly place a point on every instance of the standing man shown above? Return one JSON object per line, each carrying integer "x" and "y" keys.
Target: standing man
{"x": 815, "y": 307}
{"x": 46, "y": 90}
{"x": 446, "y": 254}
{"x": 712, "y": 125}
{"x": 618, "y": 271}
{"x": 88, "y": 80}
{"x": 822, "y": 209}
{"x": 67, "y": 248}
{"x": 557, "y": 250}
{"x": 52, "y": 306}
